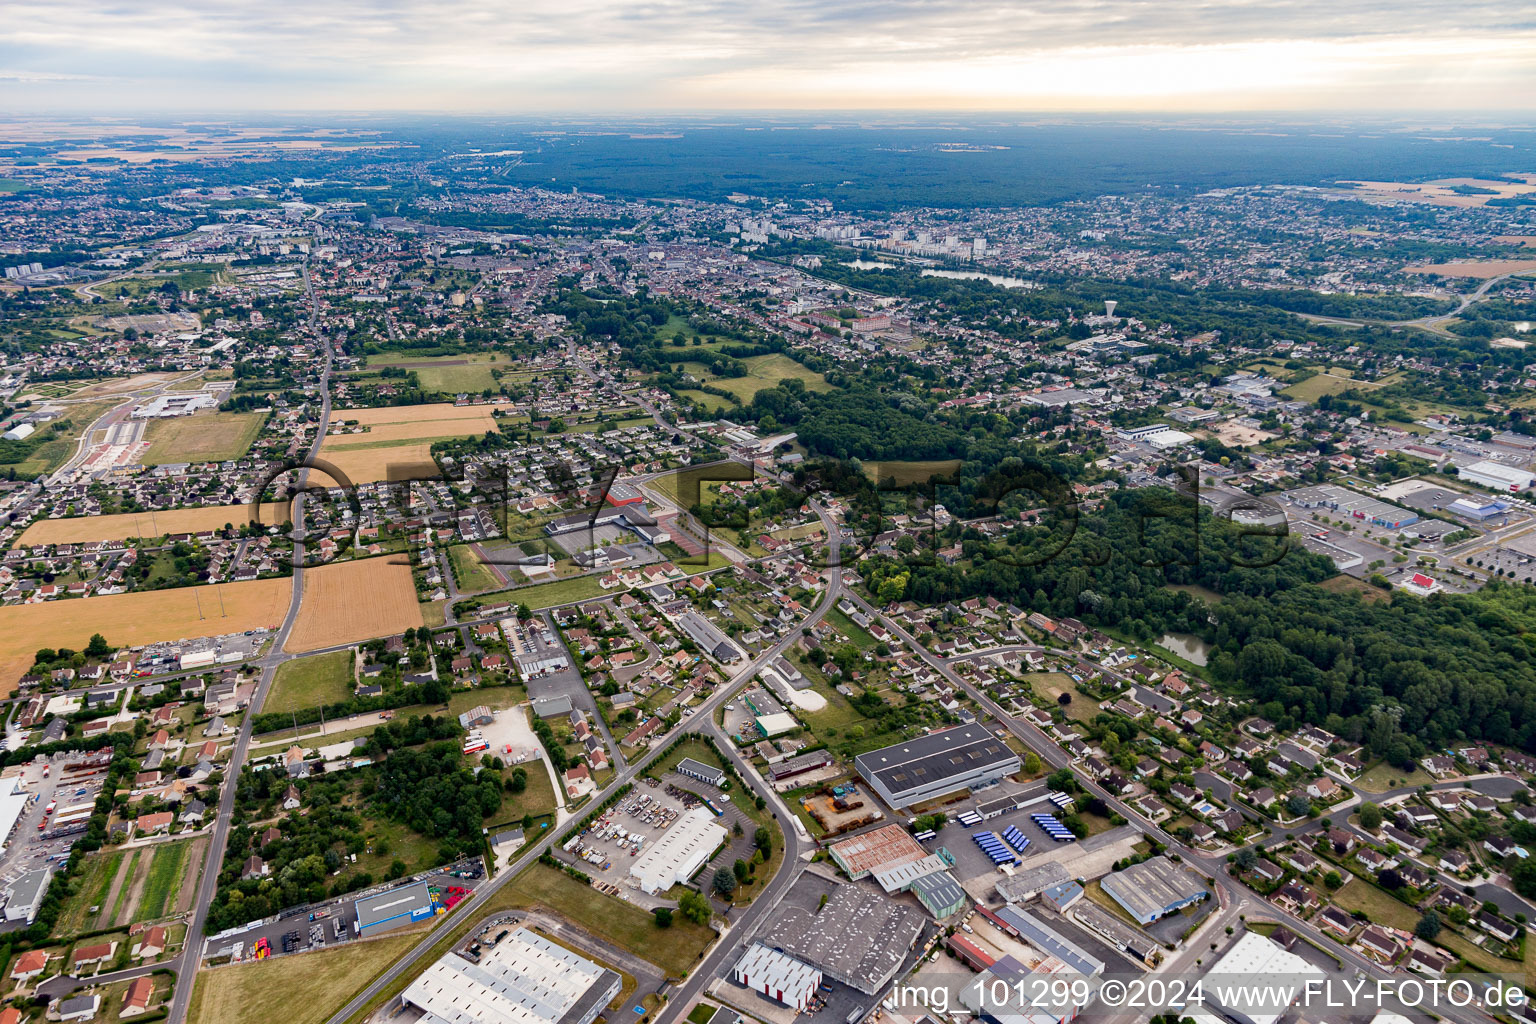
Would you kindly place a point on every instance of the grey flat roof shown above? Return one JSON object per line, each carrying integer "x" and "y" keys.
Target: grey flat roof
{"x": 929, "y": 760}
{"x": 388, "y": 905}
{"x": 29, "y": 888}
{"x": 1047, "y": 940}
{"x": 1026, "y": 883}
{"x": 940, "y": 889}
{"x": 858, "y": 935}
{"x": 1153, "y": 886}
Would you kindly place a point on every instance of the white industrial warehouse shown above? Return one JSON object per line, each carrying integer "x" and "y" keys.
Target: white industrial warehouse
{"x": 522, "y": 979}
{"x": 679, "y": 853}
{"x": 1254, "y": 956}
{"x": 1498, "y": 476}
{"x": 13, "y": 801}
{"x": 777, "y": 976}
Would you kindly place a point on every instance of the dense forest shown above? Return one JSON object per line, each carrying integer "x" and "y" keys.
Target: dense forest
{"x": 1404, "y": 676}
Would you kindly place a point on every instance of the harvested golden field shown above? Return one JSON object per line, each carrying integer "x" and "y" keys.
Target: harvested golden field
{"x": 366, "y": 465}
{"x": 1481, "y": 269}
{"x": 1440, "y": 193}
{"x": 349, "y": 601}
{"x": 421, "y": 430}
{"x": 146, "y": 524}
{"x": 436, "y": 412}
{"x": 139, "y": 618}
{"x": 1524, "y": 241}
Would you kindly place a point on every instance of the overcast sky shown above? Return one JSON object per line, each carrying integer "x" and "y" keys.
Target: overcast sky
{"x": 609, "y": 55}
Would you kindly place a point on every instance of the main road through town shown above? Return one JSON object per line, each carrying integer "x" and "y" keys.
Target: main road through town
{"x": 186, "y": 964}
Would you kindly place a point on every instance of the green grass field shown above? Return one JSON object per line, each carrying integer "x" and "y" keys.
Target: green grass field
{"x": 765, "y": 372}
{"x": 853, "y": 631}
{"x": 311, "y": 682}
{"x": 134, "y": 287}
{"x": 715, "y": 405}
{"x": 13, "y": 185}
{"x": 472, "y": 573}
{"x": 119, "y": 904}
{"x": 90, "y": 891}
{"x": 1313, "y": 388}
{"x": 538, "y": 799}
{"x": 294, "y": 989}
{"x": 674, "y": 950}
{"x": 166, "y": 872}
{"x": 449, "y": 375}
{"x": 210, "y": 437}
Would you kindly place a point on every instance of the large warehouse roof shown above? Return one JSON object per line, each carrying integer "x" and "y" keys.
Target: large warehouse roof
{"x": 858, "y": 937}
{"x": 1050, "y": 942}
{"x": 1027, "y": 883}
{"x": 931, "y": 759}
{"x": 1150, "y": 889}
{"x": 1254, "y": 956}
{"x": 523, "y": 979}
{"x": 780, "y": 977}
{"x": 680, "y": 851}
{"x": 879, "y": 849}
{"x": 1496, "y": 474}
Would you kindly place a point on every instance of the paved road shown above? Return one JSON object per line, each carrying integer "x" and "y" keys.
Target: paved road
{"x": 186, "y": 964}
{"x": 1212, "y": 866}
{"x": 745, "y": 923}
{"x": 700, "y": 721}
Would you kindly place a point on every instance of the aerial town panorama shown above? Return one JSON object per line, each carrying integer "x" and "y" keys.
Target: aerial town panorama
{"x": 582, "y": 564}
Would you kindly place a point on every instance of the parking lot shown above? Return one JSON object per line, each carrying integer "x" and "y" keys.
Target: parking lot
{"x": 971, "y": 862}
{"x": 71, "y": 793}
{"x": 1519, "y": 565}
{"x": 609, "y": 846}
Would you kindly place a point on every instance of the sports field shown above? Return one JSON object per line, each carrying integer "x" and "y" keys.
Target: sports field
{"x": 146, "y": 524}
{"x": 139, "y": 618}
{"x": 206, "y": 437}
{"x": 358, "y": 600}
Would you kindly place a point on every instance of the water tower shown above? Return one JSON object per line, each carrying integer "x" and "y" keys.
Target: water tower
{"x": 1109, "y": 308}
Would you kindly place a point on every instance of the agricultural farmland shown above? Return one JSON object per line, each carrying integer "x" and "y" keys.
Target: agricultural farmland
{"x": 367, "y": 465}
{"x": 149, "y": 525}
{"x": 127, "y": 886}
{"x": 358, "y": 600}
{"x": 139, "y": 617}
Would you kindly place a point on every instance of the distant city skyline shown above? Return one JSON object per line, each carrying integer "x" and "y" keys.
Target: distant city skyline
{"x": 598, "y": 55}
